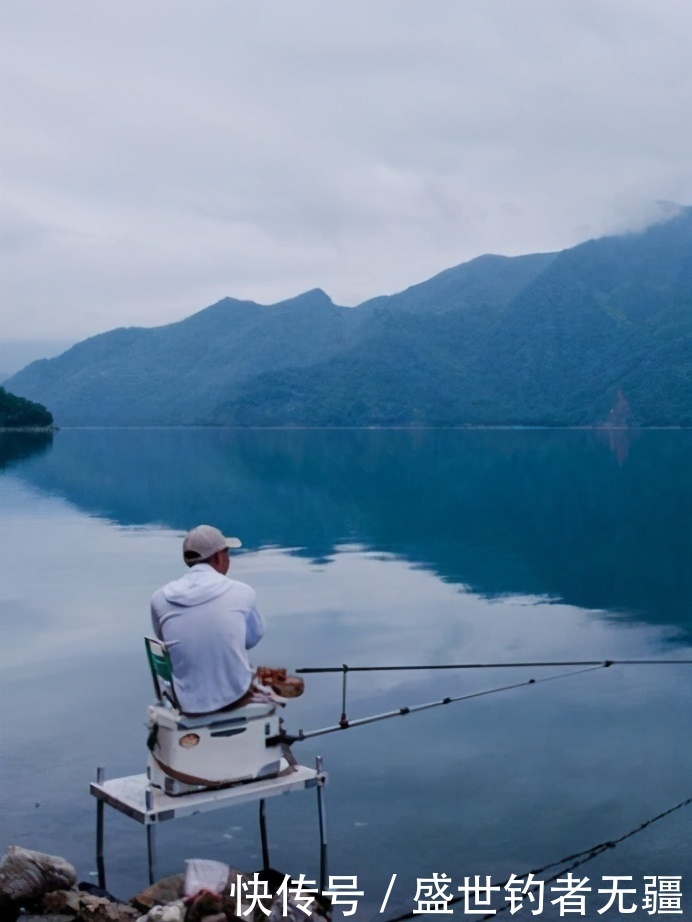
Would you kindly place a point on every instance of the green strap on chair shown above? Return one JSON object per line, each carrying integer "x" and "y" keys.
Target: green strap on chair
{"x": 161, "y": 670}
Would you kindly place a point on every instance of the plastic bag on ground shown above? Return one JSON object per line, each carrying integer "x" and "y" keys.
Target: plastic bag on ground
{"x": 203, "y": 874}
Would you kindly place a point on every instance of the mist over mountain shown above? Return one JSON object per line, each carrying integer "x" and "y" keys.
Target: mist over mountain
{"x": 16, "y": 354}
{"x": 597, "y": 334}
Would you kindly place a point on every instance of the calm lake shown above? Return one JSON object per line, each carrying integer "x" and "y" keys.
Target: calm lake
{"x": 369, "y": 548}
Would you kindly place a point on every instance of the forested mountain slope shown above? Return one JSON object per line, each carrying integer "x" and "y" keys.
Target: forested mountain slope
{"x": 20, "y": 413}
{"x": 596, "y": 333}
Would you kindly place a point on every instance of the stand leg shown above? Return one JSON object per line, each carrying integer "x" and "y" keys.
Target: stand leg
{"x": 151, "y": 853}
{"x": 151, "y": 839}
{"x": 263, "y": 834}
{"x": 322, "y": 815}
{"x": 100, "y": 865}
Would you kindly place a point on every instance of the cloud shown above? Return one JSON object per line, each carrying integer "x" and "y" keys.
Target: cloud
{"x": 159, "y": 156}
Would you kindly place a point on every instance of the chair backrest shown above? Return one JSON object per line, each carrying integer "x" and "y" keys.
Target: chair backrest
{"x": 161, "y": 671}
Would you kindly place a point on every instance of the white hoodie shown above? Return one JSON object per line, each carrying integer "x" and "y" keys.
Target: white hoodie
{"x": 207, "y": 621}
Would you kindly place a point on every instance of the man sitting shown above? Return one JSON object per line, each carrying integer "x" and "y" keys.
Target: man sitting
{"x": 208, "y": 622}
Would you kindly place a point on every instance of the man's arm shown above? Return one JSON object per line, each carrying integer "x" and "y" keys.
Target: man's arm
{"x": 155, "y": 619}
{"x": 254, "y": 627}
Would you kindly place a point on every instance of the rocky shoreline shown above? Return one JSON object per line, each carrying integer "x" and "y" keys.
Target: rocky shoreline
{"x": 35, "y": 887}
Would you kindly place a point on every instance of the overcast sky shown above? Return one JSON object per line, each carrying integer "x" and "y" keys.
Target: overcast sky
{"x": 158, "y": 155}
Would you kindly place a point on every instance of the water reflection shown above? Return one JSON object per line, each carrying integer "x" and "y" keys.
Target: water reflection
{"x": 566, "y": 515}
{"x": 494, "y": 785}
{"x": 17, "y": 446}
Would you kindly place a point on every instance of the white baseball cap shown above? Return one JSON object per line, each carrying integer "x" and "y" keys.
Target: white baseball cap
{"x": 204, "y": 541}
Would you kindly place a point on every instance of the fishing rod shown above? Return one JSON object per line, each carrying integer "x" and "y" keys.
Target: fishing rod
{"x": 599, "y": 662}
{"x": 345, "y": 723}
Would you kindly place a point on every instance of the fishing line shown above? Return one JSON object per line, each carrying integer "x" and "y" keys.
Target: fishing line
{"x": 578, "y": 859}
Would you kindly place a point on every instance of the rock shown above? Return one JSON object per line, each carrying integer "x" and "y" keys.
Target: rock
{"x": 94, "y": 889}
{"x": 162, "y": 902}
{"x": 87, "y": 907}
{"x": 166, "y": 890}
{"x": 66, "y": 901}
{"x": 27, "y": 875}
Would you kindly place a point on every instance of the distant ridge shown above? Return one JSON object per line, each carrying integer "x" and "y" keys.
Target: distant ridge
{"x": 544, "y": 339}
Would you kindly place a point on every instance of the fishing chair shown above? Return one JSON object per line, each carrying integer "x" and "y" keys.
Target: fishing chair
{"x": 161, "y": 672}
{"x": 192, "y": 753}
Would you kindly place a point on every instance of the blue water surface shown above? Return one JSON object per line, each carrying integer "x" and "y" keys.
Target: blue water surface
{"x": 368, "y": 548}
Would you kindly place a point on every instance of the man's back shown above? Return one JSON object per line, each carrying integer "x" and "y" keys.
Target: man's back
{"x": 207, "y": 621}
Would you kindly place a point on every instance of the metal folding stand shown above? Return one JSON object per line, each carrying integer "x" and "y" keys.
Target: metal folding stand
{"x": 263, "y": 836}
{"x": 323, "y": 824}
{"x": 134, "y": 797}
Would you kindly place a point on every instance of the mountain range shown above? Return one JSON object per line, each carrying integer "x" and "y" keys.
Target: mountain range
{"x": 598, "y": 334}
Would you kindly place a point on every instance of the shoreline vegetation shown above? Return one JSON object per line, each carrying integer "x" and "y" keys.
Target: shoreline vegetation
{"x": 29, "y": 428}
{"x": 18, "y": 414}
